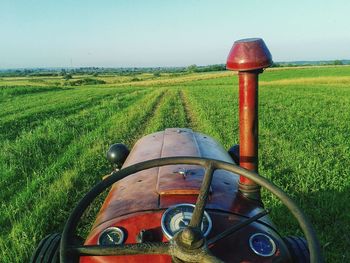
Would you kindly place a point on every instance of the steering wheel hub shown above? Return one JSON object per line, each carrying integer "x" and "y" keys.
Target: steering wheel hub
{"x": 186, "y": 247}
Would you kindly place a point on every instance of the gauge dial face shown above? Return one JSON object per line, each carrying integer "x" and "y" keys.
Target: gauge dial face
{"x": 262, "y": 245}
{"x": 178, "y": 217}
{"x": 111, "y": 236}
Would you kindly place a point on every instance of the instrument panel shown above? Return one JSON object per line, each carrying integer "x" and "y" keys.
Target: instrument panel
{"x": 178, "y": 217}
{"x": 255, "y": 242}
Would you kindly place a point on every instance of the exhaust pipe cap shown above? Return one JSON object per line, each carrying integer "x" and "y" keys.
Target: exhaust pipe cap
{"x": 249, "y": 54}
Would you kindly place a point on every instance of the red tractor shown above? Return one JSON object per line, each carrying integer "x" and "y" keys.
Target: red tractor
{"x": 179, "y": 196}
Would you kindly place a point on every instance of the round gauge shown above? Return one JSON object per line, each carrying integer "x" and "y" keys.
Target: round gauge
{"x": 111, "y": 236}
{"x": 178, "y": 217}
{"x": 262, "y": 245}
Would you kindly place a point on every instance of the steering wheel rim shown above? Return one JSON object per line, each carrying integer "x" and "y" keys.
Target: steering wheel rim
{"x": 66, "y": 247}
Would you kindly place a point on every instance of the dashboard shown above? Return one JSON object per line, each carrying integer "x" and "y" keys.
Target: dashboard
{"x": 254, "y": 243}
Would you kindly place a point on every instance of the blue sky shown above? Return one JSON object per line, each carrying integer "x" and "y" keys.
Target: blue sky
{"x": 112, "y": 33}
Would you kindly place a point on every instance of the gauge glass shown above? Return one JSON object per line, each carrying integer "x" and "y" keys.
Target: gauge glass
{"x": 111, "y": 236}
{"x": 178, "y": 217}
{"x": 262, "y": 245}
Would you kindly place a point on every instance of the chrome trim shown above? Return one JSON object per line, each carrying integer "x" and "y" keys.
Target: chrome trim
{"x": 168, "y": 235}
{"x": 257, "y": 252}
{"x": 119, "y": 230}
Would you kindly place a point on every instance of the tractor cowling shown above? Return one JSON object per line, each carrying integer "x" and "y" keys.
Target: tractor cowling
{"x": 249, "y": 57}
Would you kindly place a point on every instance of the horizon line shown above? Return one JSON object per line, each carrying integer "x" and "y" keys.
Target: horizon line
{"x": 154, "y": 67}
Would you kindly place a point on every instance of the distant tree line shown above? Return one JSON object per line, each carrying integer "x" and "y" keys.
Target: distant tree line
{"x": 85, "y": 81}
{"x": 66, "y": 73}
{"x": 310, "y": 63}
{"x": 95, "y": 71}
{"x": 195, "y": 68}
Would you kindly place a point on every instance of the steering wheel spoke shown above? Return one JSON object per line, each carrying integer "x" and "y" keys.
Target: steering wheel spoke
{"x": 120, "y": 250}
{"x": 197, "y": 216}
{"x": 237, "y": 227}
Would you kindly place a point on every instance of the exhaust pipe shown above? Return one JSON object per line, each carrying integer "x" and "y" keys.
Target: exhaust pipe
{"x": 249, "y": 57}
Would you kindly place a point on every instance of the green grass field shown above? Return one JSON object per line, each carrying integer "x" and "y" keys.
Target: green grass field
{"x": 53, "y": 141}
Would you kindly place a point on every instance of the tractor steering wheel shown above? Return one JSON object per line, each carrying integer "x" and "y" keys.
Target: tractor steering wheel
{"x": 189, "y": 244}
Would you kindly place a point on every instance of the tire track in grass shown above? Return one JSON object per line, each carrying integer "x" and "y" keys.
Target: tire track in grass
{"x": 7, "y": 92}
{"x": 10, "y": 129}
{"x": 18, "y": 105}
{"x": 31, "y": 226}
{"x": 169, "y": 114}
{"x": 208, "y": 112}
{"x": 12, "y": 126}
{"x": 189, "y": 115}
{"x": 138, "y": 131}
{"x": 35, "y": 150}
{"x": 52, "y": 168}
{"x": 198, "y": 113}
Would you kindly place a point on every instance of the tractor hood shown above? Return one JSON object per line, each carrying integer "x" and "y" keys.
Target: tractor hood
{"x": 177, "y": 179}
{"x": 160, "y": 187}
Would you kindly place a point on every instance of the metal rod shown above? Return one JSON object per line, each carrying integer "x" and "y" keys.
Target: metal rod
{"x": 127, "y": 249}
{"x": 248, "y": 129}
{"x": 198, "y": 212}
{"x": 237, "y": 227}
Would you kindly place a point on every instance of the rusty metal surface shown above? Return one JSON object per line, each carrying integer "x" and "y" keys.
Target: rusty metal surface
{"x": 147, "y": 189}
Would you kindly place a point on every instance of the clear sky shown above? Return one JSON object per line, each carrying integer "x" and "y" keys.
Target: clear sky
{"x": 112, "y": 33}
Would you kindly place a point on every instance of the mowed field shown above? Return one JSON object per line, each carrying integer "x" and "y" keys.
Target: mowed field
{"x": 54, "y": 138}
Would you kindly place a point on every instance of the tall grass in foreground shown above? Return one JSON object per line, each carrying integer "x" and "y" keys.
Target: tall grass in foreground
{"x": 53, "y": 142}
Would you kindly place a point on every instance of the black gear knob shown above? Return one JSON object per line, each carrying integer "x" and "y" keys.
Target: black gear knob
{"x": 117, "y": 154}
